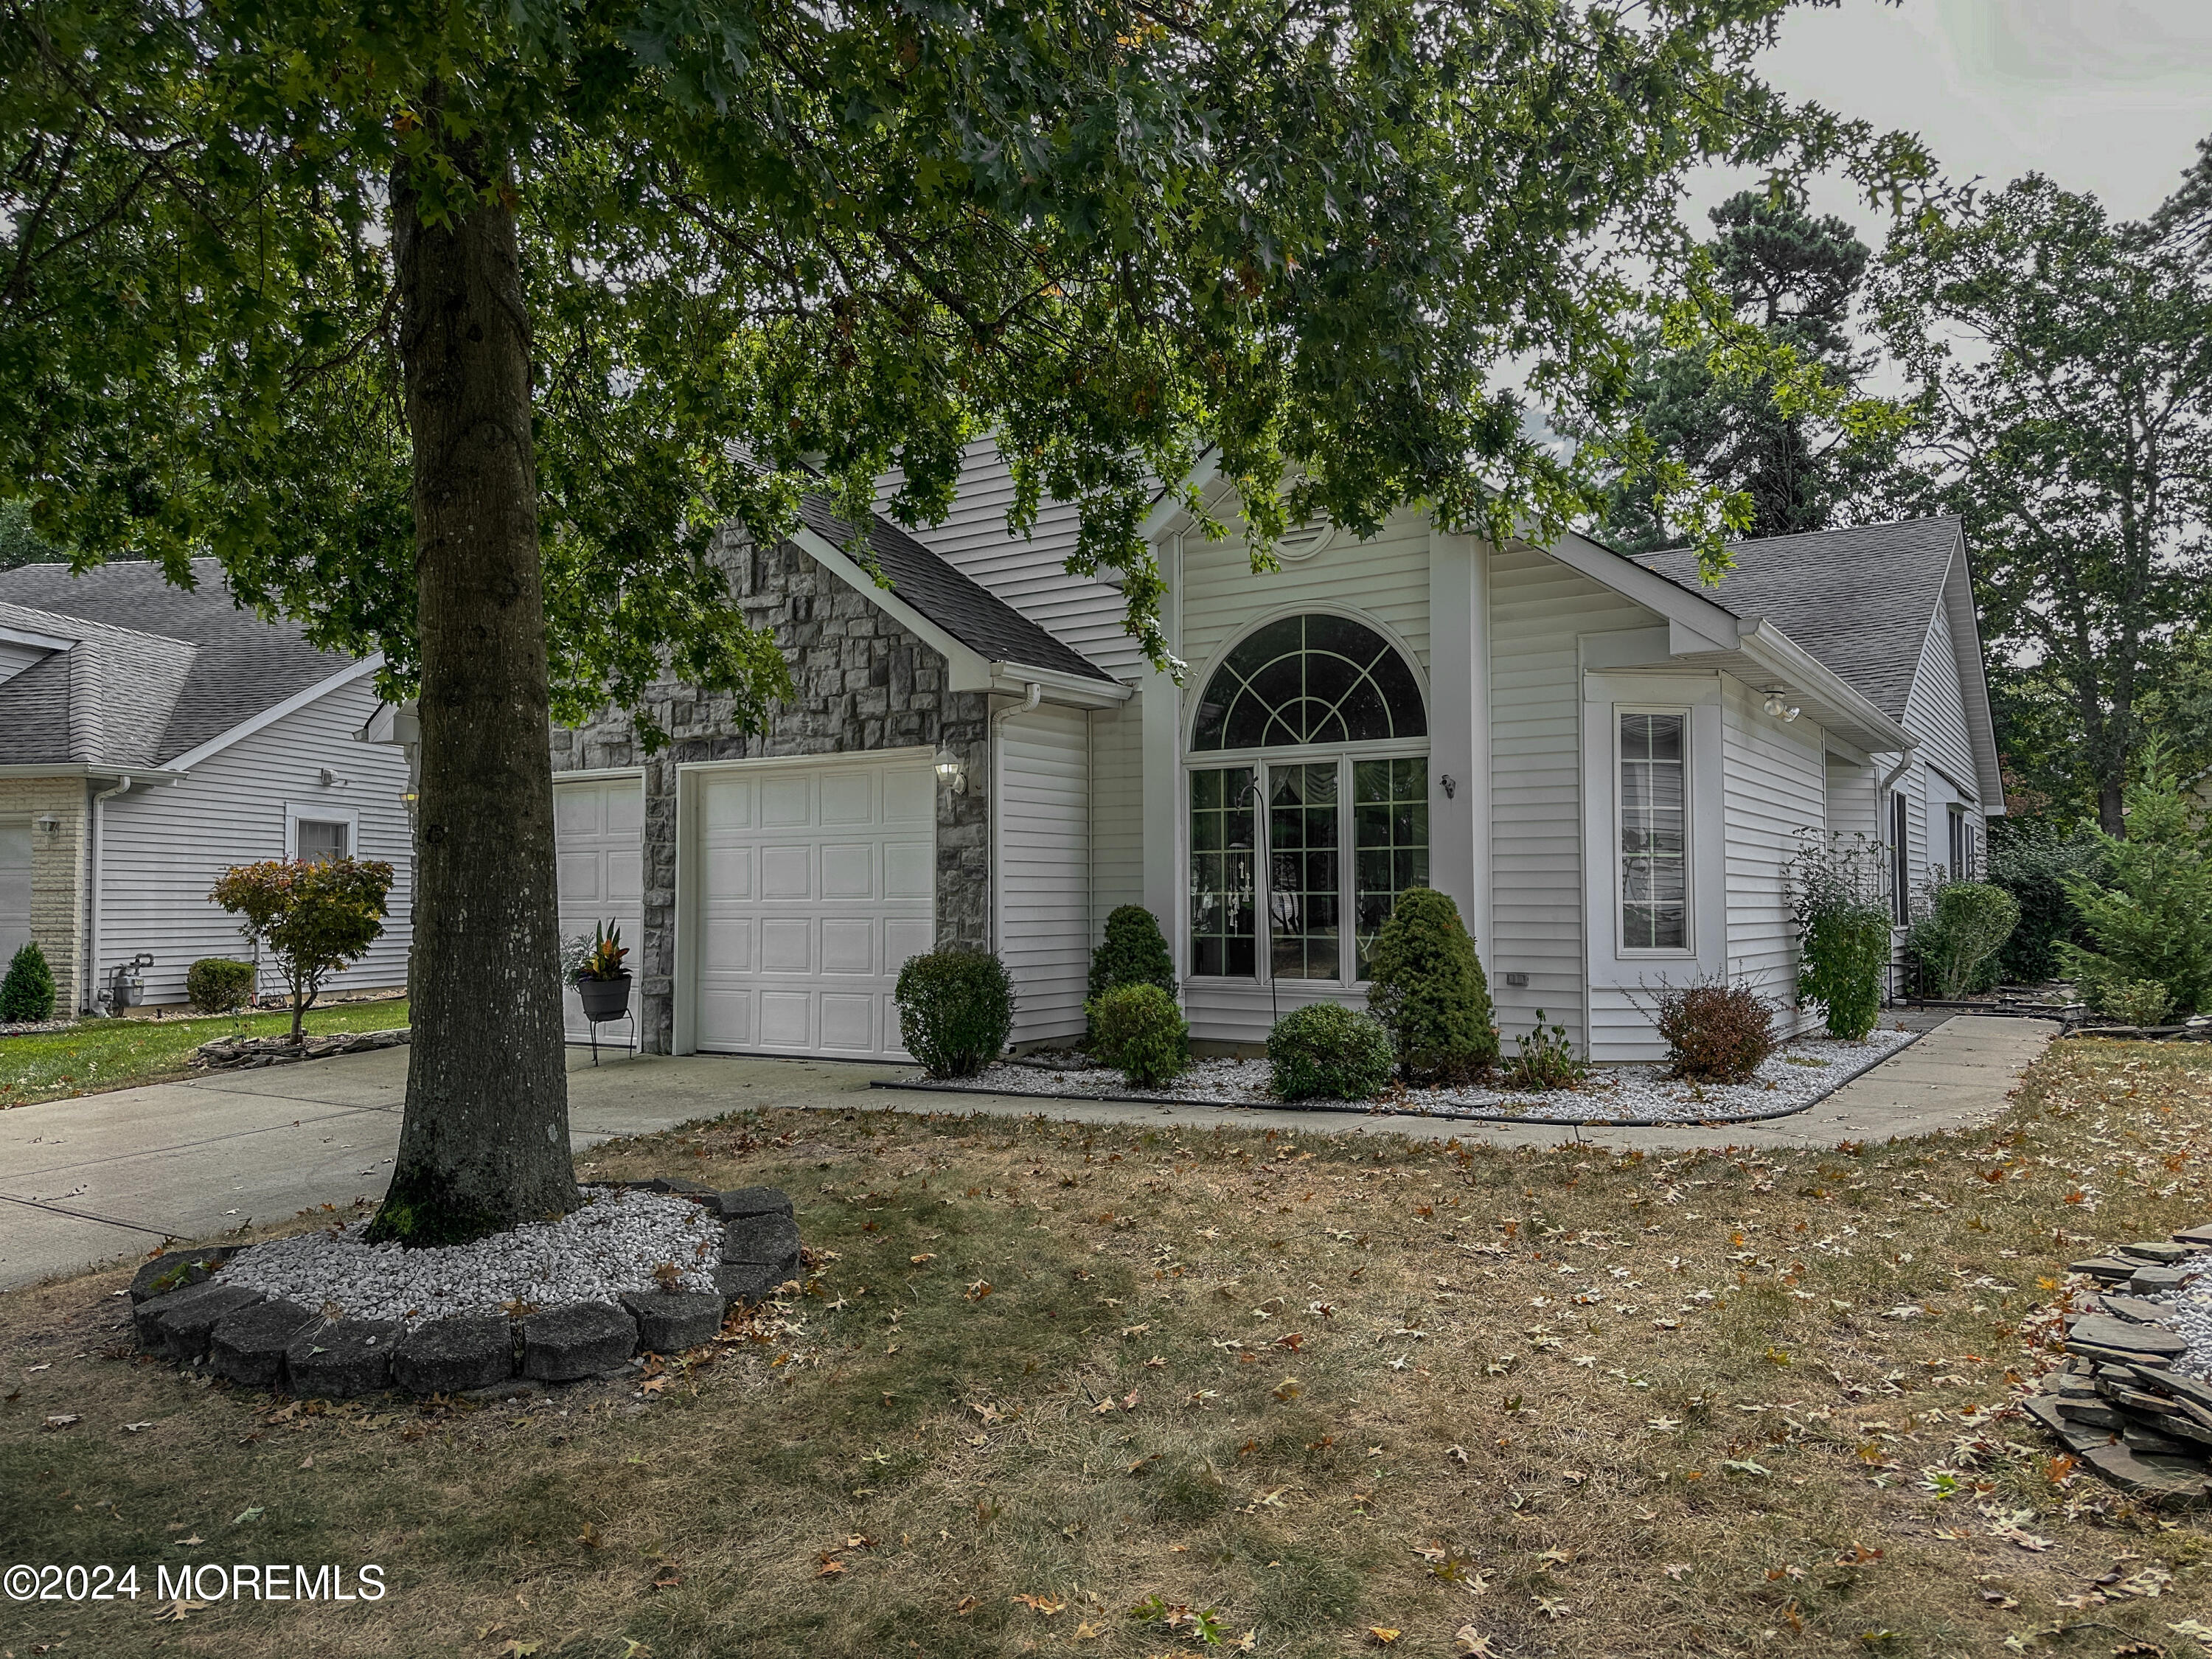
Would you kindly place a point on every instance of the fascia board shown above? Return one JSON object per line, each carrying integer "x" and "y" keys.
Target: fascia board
{"x": 1769, "y": 646}
{"x": 1072, "y": 690}
{"x": 1973, "y": 677}
{"x": 33, "y": 637}
{"x": 967, "y": 668}
{"x": 269, "y": 716}
{"x": 1704, "y": 619}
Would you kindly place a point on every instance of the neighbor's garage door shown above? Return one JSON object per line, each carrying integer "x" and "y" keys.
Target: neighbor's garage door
{"x": 15, "y": 888}
{"x": 814, "y": 882}
{"x": 599, "y": 831}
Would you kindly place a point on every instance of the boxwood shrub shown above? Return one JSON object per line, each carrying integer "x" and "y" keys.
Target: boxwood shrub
{"x": 1139, "y": 1029}
{"x": 1326, "y": 1052}
{"x": 215, "y": 985}
{"x": 956, "y": 1008}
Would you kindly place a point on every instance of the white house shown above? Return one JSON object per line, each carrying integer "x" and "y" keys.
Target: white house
{"x": 1604, "y": 763}
{"x": 150, "y": 738}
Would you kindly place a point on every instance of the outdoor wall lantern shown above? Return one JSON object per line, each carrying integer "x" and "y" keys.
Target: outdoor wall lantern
{"x": 47, "y": 822}
{"x": 950, "y": 772}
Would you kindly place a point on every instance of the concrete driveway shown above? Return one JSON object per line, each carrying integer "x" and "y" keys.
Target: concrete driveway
{"x": 88, "y": 1181}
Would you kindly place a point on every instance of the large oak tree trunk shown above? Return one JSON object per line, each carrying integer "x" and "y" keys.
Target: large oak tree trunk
{"x": 485, "y": 1142}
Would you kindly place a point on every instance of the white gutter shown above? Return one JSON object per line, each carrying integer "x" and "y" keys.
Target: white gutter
{"x": 994, "y": 805}
{"x": 91, "y": 999}
{"x": 1079, "y": 690}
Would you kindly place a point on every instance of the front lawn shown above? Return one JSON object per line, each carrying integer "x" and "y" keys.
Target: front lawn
{"x": 1069, "y": 1390}
{"x": 121, "y": 1054}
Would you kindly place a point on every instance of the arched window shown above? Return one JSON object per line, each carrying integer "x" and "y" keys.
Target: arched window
{"x": 1326, "y": 723}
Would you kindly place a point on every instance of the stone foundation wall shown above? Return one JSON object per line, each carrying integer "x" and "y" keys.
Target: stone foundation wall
{"x": 864, "y": 683}
{"x": 57, "y": 875}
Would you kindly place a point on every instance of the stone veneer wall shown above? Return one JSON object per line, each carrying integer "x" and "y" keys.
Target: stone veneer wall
{"x": 864, "y": 683}
{"x": 57, "y": 876}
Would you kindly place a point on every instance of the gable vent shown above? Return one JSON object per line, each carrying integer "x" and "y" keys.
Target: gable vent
{"x": 1304, "y": 541}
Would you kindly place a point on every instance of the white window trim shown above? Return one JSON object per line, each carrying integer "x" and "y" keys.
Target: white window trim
{"x": 316, "y": 812}
{"x": 1687, "y": 950}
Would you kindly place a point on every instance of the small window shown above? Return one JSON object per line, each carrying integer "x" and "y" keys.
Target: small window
{"x": 319, "y": 841}
{"x": 1960, "y": 867}
{"x": 1655, "y": 885}
{"x": 1900, "y": 860}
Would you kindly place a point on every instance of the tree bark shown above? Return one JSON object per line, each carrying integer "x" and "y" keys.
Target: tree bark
{"x": 485, "y": 1145}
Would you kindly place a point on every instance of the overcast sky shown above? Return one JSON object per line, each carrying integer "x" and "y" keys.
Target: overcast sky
{"x": 2107, "y": 96}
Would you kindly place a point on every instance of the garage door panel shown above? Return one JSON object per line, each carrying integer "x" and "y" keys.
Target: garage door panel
{"x": 580, "y": 877}
{"x": 786, "y": 873}
{"x": 831, "y": 869}
{"x": 626, "y": 876}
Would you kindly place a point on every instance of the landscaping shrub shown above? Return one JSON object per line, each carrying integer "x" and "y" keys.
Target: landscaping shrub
{"x": 26, "y": 995}
{"x": 1715, "y": 1032}
{"x": 1139, "y": 1029}
{"x": 2136, "y": 1001}
{"x": 1547, "y": 1060}
{"x": 1426, "y": 987}
{"x": 2154, "y": 923}
{"x": 956, "y": 1008}
{"x": 1840, "y": 902}
{"x": 2031, "y": 860}
{"x": 215, "y": 985}
{"x": 1966, "y": 925}
{"x": 1325, "y": 1051}
{"x": 1133, "y": 952}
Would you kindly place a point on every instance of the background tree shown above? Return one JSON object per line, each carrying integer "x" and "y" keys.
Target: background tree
{"x": 460, "y": 331}
{"x": 2068, "y": 360}
{"x": 1795, "y": 278}
{"x": 314, "y": 916}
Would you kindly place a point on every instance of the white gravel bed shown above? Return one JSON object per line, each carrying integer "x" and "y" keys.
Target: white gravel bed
{"x": 2191, "y": 1318}
{"x": 1793, "y": 1076}
{"x": 594, "y": 1253}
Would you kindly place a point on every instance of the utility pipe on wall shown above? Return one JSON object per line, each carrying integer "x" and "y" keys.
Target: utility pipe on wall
{"x": 90, "y": 997}
{"x": 995, "y": 805}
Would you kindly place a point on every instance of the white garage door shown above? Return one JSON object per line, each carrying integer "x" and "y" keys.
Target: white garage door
{"x": 814, "y": 882}
{"x": 598, "y": 831}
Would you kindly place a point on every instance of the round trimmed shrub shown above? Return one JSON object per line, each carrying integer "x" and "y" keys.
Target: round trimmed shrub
{"x": 1326, "y": 1052}
{"x": 956, "y": 1008}
{"x": 1139, "y": 1029}
{"x": 1133, "y": 952}
{"x": 1427, "y": 988}
{"x": 216, "y": 985}
{"x": 1715, "y": 1032}
{"x": 26, "y": 995}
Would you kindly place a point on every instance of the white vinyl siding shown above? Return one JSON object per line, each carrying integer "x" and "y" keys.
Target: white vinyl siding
{"x": 1776, "y": 782}
{"x": 1029, "y": 575}
{"x": 1117, "y": 809}
{"x": 1935, "y": 712}
{"x": 1539, "y": 608}
{"x": 165, "y": 845}
{"x": 1044, "y": 861}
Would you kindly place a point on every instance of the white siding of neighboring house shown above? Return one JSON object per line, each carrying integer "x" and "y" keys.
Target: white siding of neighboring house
{"x": 1044, "y": 868}
{"x": 165, "y": 845}
{"x": 1539, "y": 610}
{"x": 1117, "y": 811}
{"x": 1777, "y": 785}
{"x": 1944, "y": 768}
{"x": 1028, "y": 573}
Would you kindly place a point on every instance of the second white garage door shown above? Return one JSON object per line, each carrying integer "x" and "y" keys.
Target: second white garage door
{"x": 599, "y": 831}
{"x": 814, "y": 882}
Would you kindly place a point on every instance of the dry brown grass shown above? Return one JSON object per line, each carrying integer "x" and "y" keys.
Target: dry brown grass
{"x": 1584, "y": 1404}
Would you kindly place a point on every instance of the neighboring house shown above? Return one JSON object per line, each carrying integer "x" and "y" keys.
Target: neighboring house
{"x": 150, "y": 738}
{"x": 1606, "y": 765}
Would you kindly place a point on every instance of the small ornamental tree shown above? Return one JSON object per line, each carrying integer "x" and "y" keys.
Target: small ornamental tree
{"x": 26, "y": 995}
{"x": 312, "y": 917}
{"x": 1426, "y": 985}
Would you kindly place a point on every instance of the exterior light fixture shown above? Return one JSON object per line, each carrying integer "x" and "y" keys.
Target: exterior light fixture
{"x": 950, "y": 772}
{"x": 47, "y": 822}
{"x": 1778, "y": 708}
{"x": 1451, "y": 784}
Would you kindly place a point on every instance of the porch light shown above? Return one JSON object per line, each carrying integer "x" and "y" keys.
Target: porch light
{"x": 950, "y": 772}
{"x": 47, "y": 822}
{"x": 1778, "y": 708}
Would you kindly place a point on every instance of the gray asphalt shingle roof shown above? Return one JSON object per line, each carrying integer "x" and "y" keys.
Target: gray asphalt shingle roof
{"x": 1860, "y": 600}
{"x": 955, "y": 602}
{"x": 156, "y": 670}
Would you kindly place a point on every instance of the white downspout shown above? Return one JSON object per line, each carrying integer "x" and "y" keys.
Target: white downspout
{"x": 92, "y": 906}
{"x": 995, "y": 805}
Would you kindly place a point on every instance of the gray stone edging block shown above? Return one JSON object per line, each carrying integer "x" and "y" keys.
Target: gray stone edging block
{"x": 669, "y": 1321}
{"x": 341, "y": 1357}
{"x": 580, "y": 1340}
{"x": 248, "y": 1346}
{"x": 444, "y": 1356}
{"x": 177, "y": 1325}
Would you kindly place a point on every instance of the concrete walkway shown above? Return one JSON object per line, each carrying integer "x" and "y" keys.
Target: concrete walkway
{"x": 109, "y": 1175}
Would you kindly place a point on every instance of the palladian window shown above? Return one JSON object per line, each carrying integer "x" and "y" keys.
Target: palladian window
{"x": 1308, "y": 801}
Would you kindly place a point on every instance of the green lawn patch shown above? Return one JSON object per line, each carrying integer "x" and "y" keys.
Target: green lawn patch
{"x": 120, "y": 1054}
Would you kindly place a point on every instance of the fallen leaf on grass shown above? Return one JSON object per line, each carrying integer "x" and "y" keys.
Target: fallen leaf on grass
{"x": 1043, "y": 1606}
{"x": 173, "y": 1612}
{"x": 1381, "y": 1636}
{"x": 1472, "y": 1643}
{"x": 829, "y": 1569}
{"x": 1087, "y": 1631}
{"x": 926, "y": 1255}
{"x": 247, "y": 1515}
{"x": 517, "y": 1648}
{"x": 968, "y": 1605}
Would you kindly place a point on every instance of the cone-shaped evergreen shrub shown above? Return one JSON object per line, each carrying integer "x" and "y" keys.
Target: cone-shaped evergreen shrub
{"x": 27, "y": 994}
{"x": 1426, "y": 985}
{"x": 1134, "y": 952}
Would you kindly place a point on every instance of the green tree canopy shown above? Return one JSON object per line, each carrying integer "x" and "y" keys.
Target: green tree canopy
{"x": 2068, "y": 363}
{"x": 459, "y": 331}
{"x": 1794, "y": 278}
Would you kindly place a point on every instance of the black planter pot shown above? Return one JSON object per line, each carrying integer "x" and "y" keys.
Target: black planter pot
{"x": 605, "y": 998}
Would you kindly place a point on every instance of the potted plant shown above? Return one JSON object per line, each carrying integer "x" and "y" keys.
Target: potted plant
{"x": 600, "y": 978}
